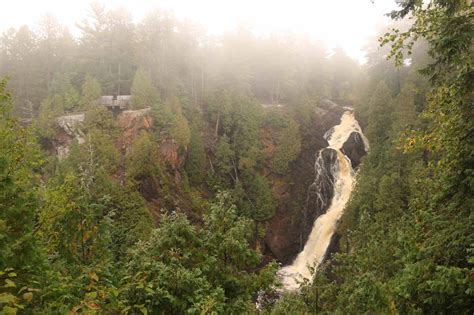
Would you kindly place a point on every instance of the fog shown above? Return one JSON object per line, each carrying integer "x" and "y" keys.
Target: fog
{"x": 339, "y": 23}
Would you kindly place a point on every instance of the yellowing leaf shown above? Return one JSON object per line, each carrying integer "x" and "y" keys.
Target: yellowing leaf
{"x": 94, "y": 276}
{"x": 9, "y": 284}
{"x": 6, "y": 298}
{"x": 143, "y": 310}
{"x": 7, "y": 310}
{"x": 28, "y": 296}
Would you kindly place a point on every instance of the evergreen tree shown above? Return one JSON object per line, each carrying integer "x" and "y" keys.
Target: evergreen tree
{"x": 179, "y": 129}
{"x": 288, "y": 148}
{"x": 262, "y": 200}
{"x": 196, "y": 161}
{"x": 380, "y": 109}
{"x": 91, "y": 91}
{"x": 184, "y": 269}
{"x": 224, "y": 158}
{"x": 142, "y": 159}
{"x": 143, "y": 92}
{"x": 63, "y": 94}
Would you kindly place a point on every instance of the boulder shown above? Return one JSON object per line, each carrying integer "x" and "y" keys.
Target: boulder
{"x": 354, "y": 148}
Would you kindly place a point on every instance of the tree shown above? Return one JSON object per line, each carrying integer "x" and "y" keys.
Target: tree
{"x": 143, "y": 92}
{"x": 224, "y": 157}
{"x": 63, "y": 94}
{"x": 197, "y": 270}
{"x": 380, "y": 109}
{"x": 196, "y": 161}
{"x": 131, "y": 220}
{"x": 18, "y": 198}
{"x": 344, "y": 73}
{"x": 97, "y": 154}
{"x": 142, "y": 159}
{"x": 47, "y": 119}
{"x": 262, "y": 201}
{"x": 22, "y": 263}
{"x": 179, "y": 128}
{"x": 288, "y": 147}
{"x": 91, "y": 91}
{"x": 107, "y": 48}
{"x": 74, "y": 223}
{"x": 18, "y": 62}
{"x": 101, "y": 119}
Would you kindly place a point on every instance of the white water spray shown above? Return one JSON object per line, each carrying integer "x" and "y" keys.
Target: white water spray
{"x": 325, "y": 225}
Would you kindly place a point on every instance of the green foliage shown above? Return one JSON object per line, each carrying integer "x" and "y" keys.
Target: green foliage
{"x": 380, "y": 109}
{"x": 179, "y": 129}
{"x": 96, "y": 154}
{"x": 101, "y": 119}
{"x": 224, "y": 157}
{"x": 184, "y": 269}
{"x": 22, "y": 262}
{"x": 196, "y": 161}
{"x": 47, "y": 127}
{"x": 407, "y": 236}
{"x": 91, "y": 91}
{"x": 131, "y": 218}
{"x": 19, "y": 161}
{"x": 144, "y": 94}
{"x": 142, "y": 159}
{"x": 288, "y": 147}
{"x": 170, "y": 123}
{"x": 290, "y": 303}
{"x": 258, "y": 201}
{"x": 74, "y": 221}
{"x": 63, "y": 95}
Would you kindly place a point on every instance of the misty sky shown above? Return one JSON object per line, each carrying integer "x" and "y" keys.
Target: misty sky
{"x": 345, "y": 23}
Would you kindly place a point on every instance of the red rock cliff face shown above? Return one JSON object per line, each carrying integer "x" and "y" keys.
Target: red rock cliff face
{"x": 132, "y": 122}
{"x": 160, "y": 192}
{"x": 165, "y": 192}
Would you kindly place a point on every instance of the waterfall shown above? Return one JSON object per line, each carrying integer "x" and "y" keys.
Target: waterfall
{"x": 333, "y": 170}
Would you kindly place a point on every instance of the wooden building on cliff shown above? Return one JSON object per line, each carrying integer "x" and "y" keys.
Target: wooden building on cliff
{"x": 115, "y": 103}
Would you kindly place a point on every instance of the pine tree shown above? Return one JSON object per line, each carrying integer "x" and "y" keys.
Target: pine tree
{"x": 91, "y": 91}
{"x": 144, "y": 94}
{"x": 380, "y": 109}
{"x": 142, "y": 159}
{"x": 196, "y": 161}
{"x": 288, "y": 147}
{"x": 63, "y": 94}
{"x": 224, "y": 158}
{"x": 179, "y": 129}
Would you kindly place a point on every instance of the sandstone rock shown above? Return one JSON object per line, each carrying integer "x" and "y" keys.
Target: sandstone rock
{"x": 169, "y": 152}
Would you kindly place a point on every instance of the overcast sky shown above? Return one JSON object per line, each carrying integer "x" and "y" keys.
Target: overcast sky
{"x": 345, "y": 23}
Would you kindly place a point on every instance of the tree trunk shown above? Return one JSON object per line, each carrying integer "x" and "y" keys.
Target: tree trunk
{"x": 216, "y": 131}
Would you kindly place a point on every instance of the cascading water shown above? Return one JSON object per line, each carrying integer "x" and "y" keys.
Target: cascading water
{"x": 333, "y": 170}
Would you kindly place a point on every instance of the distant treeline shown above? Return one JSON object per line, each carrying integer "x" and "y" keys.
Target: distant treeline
{"x": 180, "y": 58}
